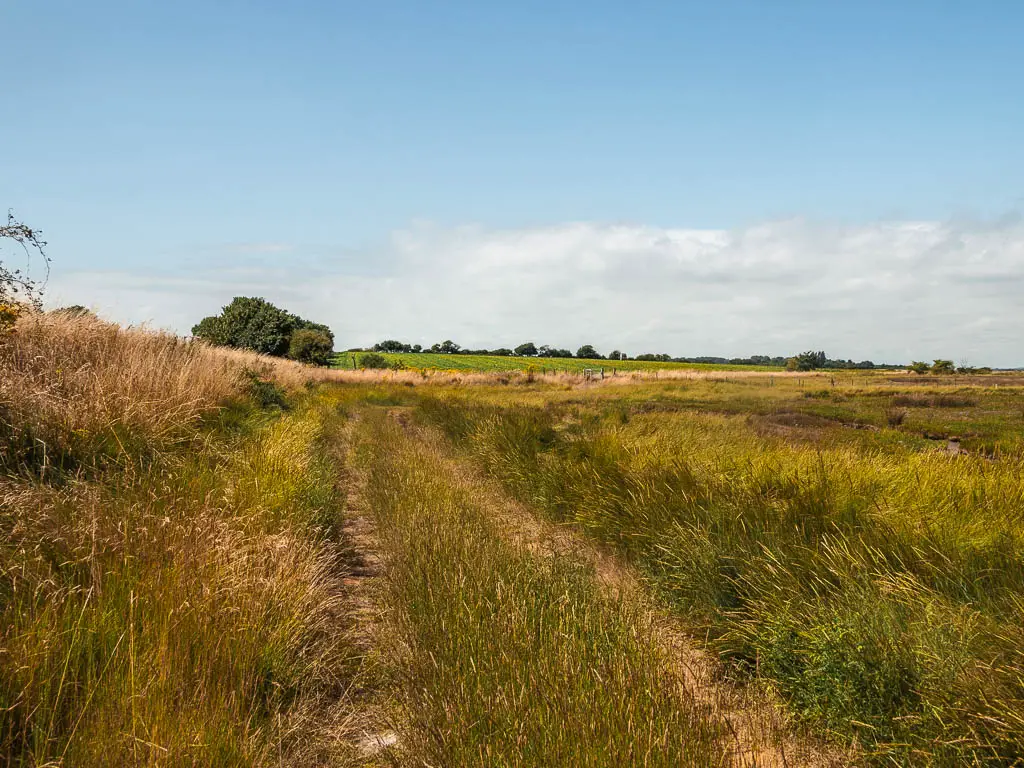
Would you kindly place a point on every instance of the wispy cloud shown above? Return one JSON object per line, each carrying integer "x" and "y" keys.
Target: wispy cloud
{"x": 885, "y": 291}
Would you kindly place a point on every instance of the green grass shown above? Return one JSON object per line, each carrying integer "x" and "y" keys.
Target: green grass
{"x": 507, "y": 658}
{"x": 488, "y": 363}
{"x": 873, "y": 581}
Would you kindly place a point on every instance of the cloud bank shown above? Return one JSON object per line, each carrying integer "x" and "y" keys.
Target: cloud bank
{"x": 884, "y": 291}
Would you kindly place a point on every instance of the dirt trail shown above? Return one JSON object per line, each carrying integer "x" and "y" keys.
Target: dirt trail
{"x": 373, "y": 734}
{"x": 762, "y": 735}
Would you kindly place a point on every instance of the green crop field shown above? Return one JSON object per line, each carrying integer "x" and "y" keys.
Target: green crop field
{"x": 487, "y": 363}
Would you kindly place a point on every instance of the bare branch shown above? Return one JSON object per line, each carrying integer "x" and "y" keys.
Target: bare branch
{"x": 17, "y": 284}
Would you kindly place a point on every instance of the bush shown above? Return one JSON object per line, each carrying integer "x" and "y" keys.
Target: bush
{"x": 266, "y": 393}
{"x": 313, "y": 347}
{"x": 374, "y": 360}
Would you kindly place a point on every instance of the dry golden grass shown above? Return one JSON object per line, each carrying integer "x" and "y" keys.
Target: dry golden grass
{"x": 170, "y": 583}
{"x": 73, "y": 385}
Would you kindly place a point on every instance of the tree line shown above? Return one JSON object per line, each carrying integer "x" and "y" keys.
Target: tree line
{"x": 256, "y": 324}
{"x": 805, "y": 361}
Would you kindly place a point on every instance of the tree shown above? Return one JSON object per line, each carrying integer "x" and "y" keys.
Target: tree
{"x": 919, "y": 367}
{"x": 529, "y": 349}
{"x": 446, "y": 347}
{"x": 943, "y": 367}
{"x": 809, "y": 361}
{"x": 390, "y": 345}
{"x": 616, "y": 355}
{"x": 309, "y": 346}
{"x": 255, "y": 324}
{"x": 587, "y": 352}
{"x": 74, "y": 310}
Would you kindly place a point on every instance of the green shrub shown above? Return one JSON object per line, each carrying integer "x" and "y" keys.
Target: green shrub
{"x": 374, "y": 360}
{"x": 313, "y": 347}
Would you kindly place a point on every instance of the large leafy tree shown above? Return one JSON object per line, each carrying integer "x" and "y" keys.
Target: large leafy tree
{"x": 587, "y": 352}
{"x": 256, "y": 324}
{"x": 528, "y": 349}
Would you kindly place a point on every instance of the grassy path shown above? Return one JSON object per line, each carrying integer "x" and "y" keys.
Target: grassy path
{"x": 503, "y": 657}
{"x": 517, "y": 643}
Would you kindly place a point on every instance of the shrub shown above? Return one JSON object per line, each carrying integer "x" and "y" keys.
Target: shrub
{"x": 374, "y": 360}
{"x": 266, "y": 393}
{"x": 313, "y": 347}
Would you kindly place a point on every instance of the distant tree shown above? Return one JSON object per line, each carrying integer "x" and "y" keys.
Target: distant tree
{"x": 74, "y": 310}
{"x": 650, "y": 357}
{"x": 256, "y": 324}
{"x": 616, "y": 355}
{"x": 919, "y": 367}
{"x": 416, "y": 348}
{"x": 448, "y": 347}
{"x": 792, "y": 364}
{"x": 529, "y": 349}
{"x": 308, "y": 346}
{"x": 16, "y": 286}
{"x": 943, "y": 367}
{"x": 390, "y": 345}
{"x": 587, "y": 352}
{"x": 810, "y": 361}
{"x": 502, "y": 352}
{"x": 374, "y": 360}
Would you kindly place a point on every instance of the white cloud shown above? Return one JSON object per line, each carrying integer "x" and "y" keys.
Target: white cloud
{"x": 885, "y": 291}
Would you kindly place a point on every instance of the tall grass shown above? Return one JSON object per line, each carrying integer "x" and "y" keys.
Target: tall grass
{"x": 170, "y": 592}
{"x": 880, "y": 592}
{"x": 507, "y": 659}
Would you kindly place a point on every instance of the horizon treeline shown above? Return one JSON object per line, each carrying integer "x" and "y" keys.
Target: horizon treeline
{"x": 804, "y": 361}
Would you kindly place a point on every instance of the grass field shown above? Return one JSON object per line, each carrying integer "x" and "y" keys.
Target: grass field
{"x": 871, "y": 578}
{"x": 840, "y": 557}
{"x": 488, "y": 363}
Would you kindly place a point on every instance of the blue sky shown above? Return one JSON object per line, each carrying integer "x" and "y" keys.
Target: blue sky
{"x": 196, "y": 141}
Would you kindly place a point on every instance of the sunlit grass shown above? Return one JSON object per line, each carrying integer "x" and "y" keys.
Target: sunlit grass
{"x": 510, "y": 659}
{"x": 876, "y": 582}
